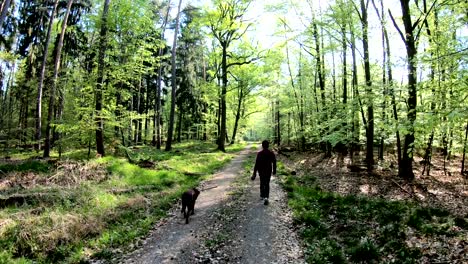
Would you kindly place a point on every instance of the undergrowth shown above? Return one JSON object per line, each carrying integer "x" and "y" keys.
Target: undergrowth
{"x": 29, "y": 165}
{"x": 343, "y": 229}
{"x": 97, "y": 218}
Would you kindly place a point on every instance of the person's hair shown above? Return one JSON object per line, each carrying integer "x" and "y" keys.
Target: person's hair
{"x": 265, "y": 144}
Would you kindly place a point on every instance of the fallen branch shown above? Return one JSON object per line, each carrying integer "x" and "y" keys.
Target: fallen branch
{"x": 406, "y": 191}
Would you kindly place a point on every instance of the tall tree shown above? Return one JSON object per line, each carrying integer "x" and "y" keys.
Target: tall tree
{"x": 158, "y": 105}
{"x": 100, "y": 79}
{"x": 4, "y": 11}
{"x": 432, "y": 43}
{"x": 42, "y": 77}
{"x": 170, "y": 129}
{"x": 405, "y": 169}
{"x": 227, "y": 25}
{"x": 369, "y": 95}
{"x": 384, "y": 75}
{"x": 55, "y": 79}
{"x": 388, "y": 77}
{"x": 247, "y": 80}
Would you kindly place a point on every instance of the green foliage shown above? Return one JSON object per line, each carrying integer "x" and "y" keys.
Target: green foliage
{"x": 365, "y": 251}
{"x": 96, "y": 217}
{"x": 7, "y": 258}
{"x": 325, "y": 251}
{"x": 30, "y": 165}
{"x": 339, "y": 228}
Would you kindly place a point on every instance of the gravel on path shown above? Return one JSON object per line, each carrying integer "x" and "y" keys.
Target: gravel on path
{"x": 230, "y": 225}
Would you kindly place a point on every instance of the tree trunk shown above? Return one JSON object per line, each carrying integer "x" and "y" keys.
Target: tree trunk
{"x": 278, "y": 124}
{"x": 8, "y": 105}
{"x": 369, "y": 95}
{"x": 59, "y": 117}
{"x": 130, "y": 123}
{"x": 5, "y": 6}
{"x": 300, "y": 135}
{"x": 137, "y": 138}
{"x": 319, "y": 64}
{"x": 170, "y": 129}
{"x": 333, "y": 74}
{"x": 273, "y": 122}
{"x": 55, "y": 80}
{"x": 157, "y": 119}
{"x": 289, "y": 128}
{"x": 205, "y": 136}
{"x": 384, "y": 77}
{"x": 238, "y": 112}
{"x": 428, "y": 151}
{"x": 356, "y": 99}
{"x": 406, "y": 166}
{"x": 42, "y": 77}
{"x": 146, "y": 109}
{"x": 344, "y": 55}
{"x": 118, "y": 113}
{"x": 218, "y": 119}
{"x": 179, "y": 125}
{"x": 391, "y": 90}
{"x": 100, "y": 80}
{"x": 222, "y": 135}
{"x": 345, "y": 69}
{"x": 464, "y": 150}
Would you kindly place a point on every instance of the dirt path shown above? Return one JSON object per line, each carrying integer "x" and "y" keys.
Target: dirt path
{"x": 230, "y": 225}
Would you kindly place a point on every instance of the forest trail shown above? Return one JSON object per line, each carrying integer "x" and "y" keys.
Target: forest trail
{"x": 230, "y": 225}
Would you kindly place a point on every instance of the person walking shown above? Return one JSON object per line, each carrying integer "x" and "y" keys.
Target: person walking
{"x": 264, "y": 165}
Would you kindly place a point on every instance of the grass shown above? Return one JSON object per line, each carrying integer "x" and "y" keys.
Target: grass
{"x": 343, "y": 229}
{"x": 29, "y": 165}
{"x": 97, "y": 217}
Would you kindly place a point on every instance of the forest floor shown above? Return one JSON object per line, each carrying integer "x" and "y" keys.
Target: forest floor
{"x": 443, "y": 188}
{"x": 363, "y": 217}
{"x": 109, "y": 211}
{"x": 378, "y": 217}
{"x": 231, "y": 225}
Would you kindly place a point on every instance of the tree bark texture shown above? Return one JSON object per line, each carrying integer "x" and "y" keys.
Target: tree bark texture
{"x": 58, "y": 54}
{"x": 369, "y": 95}
{"x": 42, "y": 77}
{"x": 5, "y": 6}
{"x": 100, "y": 80}
{"x": 406, "y": 166}
{"x": 170, "y": 129}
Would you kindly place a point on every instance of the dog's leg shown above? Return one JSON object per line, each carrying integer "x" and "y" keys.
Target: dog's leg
{"x": 192, "y": 208}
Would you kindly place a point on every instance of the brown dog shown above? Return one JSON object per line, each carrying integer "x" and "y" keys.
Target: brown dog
{"x": 188, "y": 201}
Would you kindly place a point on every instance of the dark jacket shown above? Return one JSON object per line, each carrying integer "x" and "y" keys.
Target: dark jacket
{"x": 263, "y": 163}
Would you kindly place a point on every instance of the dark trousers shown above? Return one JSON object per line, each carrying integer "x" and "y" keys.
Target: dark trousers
{"x": 265, "y": 185}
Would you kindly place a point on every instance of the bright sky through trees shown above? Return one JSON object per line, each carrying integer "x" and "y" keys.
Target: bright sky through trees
{"x": 265, "y": 15}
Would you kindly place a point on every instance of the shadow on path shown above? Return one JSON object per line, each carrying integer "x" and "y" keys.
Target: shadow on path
{"x": 172, "y": 236}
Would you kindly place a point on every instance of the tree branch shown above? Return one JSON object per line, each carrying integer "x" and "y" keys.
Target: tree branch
{"x": 425, "y": 18}
{"x": 396, "y": 26}
{"x": 357, "y": 10}
{"x": 238, "y": 63}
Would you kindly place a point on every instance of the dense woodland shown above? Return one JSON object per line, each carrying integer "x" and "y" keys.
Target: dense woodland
{"x": 104, "y": 74}
{"x": 110, "y": 109}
